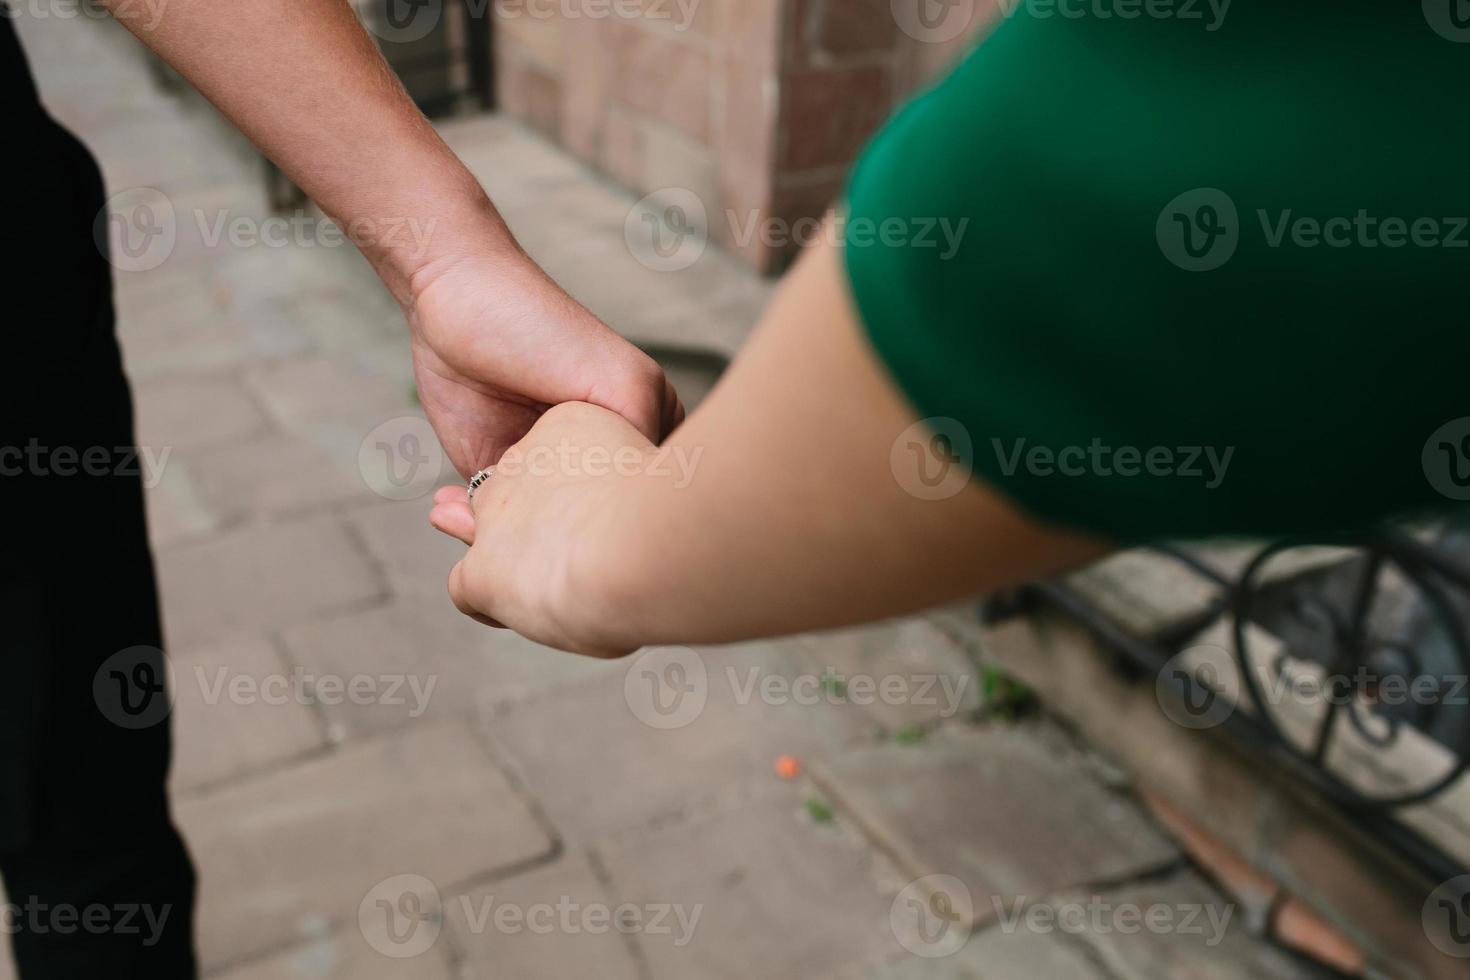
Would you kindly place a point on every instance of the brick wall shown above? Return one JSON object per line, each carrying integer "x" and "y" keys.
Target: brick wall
{"x": 756, "y": 106}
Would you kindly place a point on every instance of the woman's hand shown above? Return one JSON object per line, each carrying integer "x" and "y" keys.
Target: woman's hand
{"x": 535, "y": 530}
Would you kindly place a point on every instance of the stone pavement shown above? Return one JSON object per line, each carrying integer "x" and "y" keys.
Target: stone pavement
{"x": 375, "y": 788}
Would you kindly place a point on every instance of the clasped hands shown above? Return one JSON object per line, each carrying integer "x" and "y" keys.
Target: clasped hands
{"x": 507, "y": 366}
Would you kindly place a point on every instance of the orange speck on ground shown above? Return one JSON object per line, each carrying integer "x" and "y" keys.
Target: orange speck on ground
{"x": 788, "y": 766}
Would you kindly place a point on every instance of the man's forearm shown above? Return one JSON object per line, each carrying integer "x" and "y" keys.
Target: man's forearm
{"x": 305, "y": 82}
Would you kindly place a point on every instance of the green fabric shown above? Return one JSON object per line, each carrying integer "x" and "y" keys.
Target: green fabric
{"x": 1061, "y": 321}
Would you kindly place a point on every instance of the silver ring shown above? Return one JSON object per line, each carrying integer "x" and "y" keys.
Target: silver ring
{"x": 478, "y": 480}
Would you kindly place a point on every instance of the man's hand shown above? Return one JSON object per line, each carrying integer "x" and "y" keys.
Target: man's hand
{"x": 496, "y": 342}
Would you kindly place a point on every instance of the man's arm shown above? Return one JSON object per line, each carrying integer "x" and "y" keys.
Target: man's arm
{"x": 304, "y": 81}
{"x": 774, "y": 509}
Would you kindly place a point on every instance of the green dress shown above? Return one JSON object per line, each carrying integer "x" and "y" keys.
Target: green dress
{"x": 1162, "y": 280}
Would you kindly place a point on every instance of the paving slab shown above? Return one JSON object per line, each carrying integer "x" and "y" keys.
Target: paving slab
{"x": 176, "y": 508}
{"x": 777, "y": 893}
{"x": 283, "y": 856}
{"x": 344, "y": 955}
{"x": 276, "y": 474}
{"x": 448, "y": 663}
{"x": 1010, "y": 811}
{"x": 551, "y": 923}
{"x": 415, "y": 558}
{"x": 322, "y": 389}
{"x": 995, "y": 955}
{"x": 191, "y": 412}
{"x": 594, "y": 758}
{"x": 262, "y": 576}
{"x": 904, "y": 673}
{"x": 1179, "y": 928}
{"x": 235, "y": 711}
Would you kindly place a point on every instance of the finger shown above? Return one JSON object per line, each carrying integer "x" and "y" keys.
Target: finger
{"x": 460, "y": 597}
{"x": 673, "y": 411}
{"x": 455, "y": 492}
{"x": 454, "y": 519}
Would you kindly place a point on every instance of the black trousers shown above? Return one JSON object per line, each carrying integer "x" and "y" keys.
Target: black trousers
{"x": 97, "y": 880}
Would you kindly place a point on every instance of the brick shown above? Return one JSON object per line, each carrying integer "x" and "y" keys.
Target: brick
{"x": 538, "y": 36}
{"x": 828, "y": 114}
{"x": 450, "y": 664}
{"x": 622, "y": 152}
{"x": 261, "y": 577}
{"x": 828, "y": 29}
{"x": 773, "y": 867}
{"x": 297, "y": 850}
{"x": 596, "y": 767}
{"x": 662, "y": 75}
{"x": 750, "y": 35}
{"x": 219, "y": 736}
{"x": 586, "y": 96}
{"x": 999, "y": 809}
{"x": 528, "y": 91}
{"x": 557, "y": 934}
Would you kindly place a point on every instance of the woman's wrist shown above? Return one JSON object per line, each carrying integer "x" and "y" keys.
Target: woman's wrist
{"x": 604, "y": 605}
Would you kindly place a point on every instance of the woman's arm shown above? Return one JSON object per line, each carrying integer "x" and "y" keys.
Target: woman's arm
{"x": 794, "y": 518}
{"x": 304, "y": 81}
